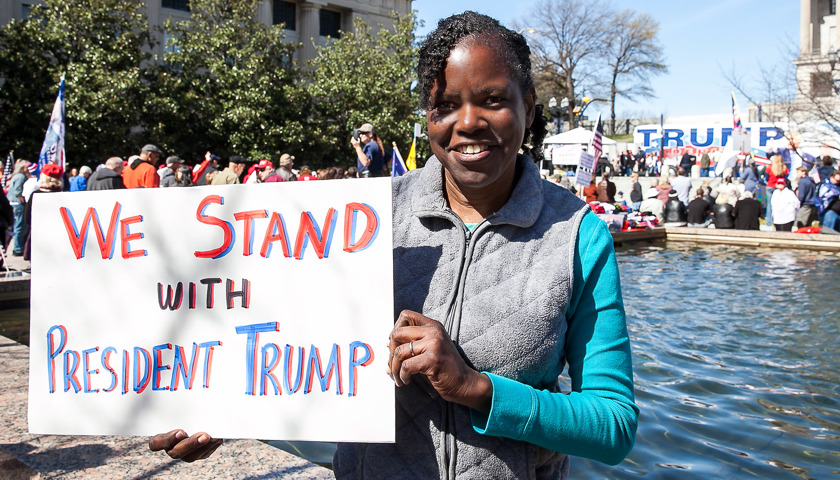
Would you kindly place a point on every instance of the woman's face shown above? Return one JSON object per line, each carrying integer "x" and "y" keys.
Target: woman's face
{"x": 478, "y": 118}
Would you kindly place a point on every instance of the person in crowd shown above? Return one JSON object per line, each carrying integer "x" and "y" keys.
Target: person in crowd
{"x": 231, "y": 174}
{"x": 709, "y": 193}
{"x": 686, "y": 162}
{"x": 250, "y": 176}
{"x": 776, "y": 171}
{"x": 284, "y": 168}
{"x": 629, "y": 165}
{"x": 479, "y": 396}
{"x": 699, "y": 211}
{"x": 141, "y": 173}
{"x": 824, "y": 170}
{"x": 747, "y": 212}
{"x": 266, "y": 173}
{"x": 183, "y": 177}
{"x": 370, "y": 161}
{"x": 204, "y": 172}
{"x": 806, "y": 192}
{"x": 682, "y": 185}
{"x": 351, "y": 173}
{"x": 108, "y": 177}
{"x": 635, "y": 191}
{"x": 622, "y": 163}
{"x": 31, "y": 183}
{"x": 51, "y": 180}
{"x": 173, "y": 164}
{"x": 590, "y": 192}
{"x": 785, "y": 205}
{"x": 606, "y": 189}
{"x": 79, "y": 182}
{"x": 14, "y": 194}
{"x": 603, "y": 165}
{"x": 731, "y": 188}
{"x": 723, "y": 212}
{"x": 828, "y": 201}
{"x": 749, "y": 176}
{"x": 7, "y": 220}
{"x": 305, "y": 174}
{"x": 663, "y": 189}
{"x": 338, "y": 172}
{"x": 641, "y": 166}
{"x": 652, "y": 204}
{"x": 652, "y": 162}
{"x": 705, "y": 164}
{"x": 675, "y": 211}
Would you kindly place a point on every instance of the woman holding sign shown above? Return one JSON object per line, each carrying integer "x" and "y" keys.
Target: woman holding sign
{"x": 501, "y": 279}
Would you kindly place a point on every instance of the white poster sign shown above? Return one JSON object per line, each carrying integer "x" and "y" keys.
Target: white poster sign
{"x": 566, "y": 154}
{"x": 586, "y": 166}
{"x": 246, "y": 311}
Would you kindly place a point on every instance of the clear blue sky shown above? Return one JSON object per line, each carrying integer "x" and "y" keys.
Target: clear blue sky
{"x": 701, "y": 40}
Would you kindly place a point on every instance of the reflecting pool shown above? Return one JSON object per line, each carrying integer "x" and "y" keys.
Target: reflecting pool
{"x": 736, "y": 363}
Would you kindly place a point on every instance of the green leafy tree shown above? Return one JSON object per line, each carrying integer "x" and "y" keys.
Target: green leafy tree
{"x": 100, "y": 46}
{"x": 364, "y": 77}
{"x": 227, "y": 84}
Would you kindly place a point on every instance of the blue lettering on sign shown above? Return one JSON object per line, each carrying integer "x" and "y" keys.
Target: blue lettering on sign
{"x": 646, "y": 132}
{"x": 673, "y": 134}
{"x": 764, "y": 135}
{"x": 710, "y": 137}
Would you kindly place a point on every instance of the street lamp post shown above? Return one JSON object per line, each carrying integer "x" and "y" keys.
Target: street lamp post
{"x": 557, "y": 111}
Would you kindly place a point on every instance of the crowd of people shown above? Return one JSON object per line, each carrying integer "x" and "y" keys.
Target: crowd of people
{"x": 146, "y": 170}
{"x": 786, "y": 200}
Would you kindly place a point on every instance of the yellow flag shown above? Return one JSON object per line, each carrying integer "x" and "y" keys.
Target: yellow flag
{"x": 410, "y": 162}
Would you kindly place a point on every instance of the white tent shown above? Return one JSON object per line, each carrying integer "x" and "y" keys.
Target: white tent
{"x": 578, "y": 136}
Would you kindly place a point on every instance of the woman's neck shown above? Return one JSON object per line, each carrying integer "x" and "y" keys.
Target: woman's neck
{"x": 473, "y": 205}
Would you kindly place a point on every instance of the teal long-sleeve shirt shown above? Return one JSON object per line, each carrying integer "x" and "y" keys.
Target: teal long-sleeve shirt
{"x": 598, "y": 419}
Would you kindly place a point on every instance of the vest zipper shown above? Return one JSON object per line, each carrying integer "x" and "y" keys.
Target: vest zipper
{"x": 448, "y": 440}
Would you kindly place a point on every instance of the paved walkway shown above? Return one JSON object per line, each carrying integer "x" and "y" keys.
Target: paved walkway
{"x": 24, "y": 456}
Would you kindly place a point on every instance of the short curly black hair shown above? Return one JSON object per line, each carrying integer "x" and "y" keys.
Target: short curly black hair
{"x": 510, "y": 46}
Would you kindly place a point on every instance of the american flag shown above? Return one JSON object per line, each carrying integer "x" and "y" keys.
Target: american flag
{"x": 7, "y": 172}
{"x": 597, "y": 139}
{"x": 736, "y": 114}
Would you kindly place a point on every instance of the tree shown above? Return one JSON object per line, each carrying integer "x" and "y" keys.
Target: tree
{"x": 362, "y": 77}
{"x": 567, "y": 41}
{"x": 633, "y": 55}
{"x": 99, "y": 45}
{"x": 227, "y": 84}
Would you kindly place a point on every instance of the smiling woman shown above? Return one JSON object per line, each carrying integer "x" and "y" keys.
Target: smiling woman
{"x": 495, "y": 280}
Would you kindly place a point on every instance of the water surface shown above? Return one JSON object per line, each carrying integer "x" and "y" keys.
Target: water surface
{"x": 736, "y": 363}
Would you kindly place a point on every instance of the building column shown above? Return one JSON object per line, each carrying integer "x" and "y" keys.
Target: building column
{"x": 804, "y": 28}
{"x": 265, "y": 12}
{"x": 310, "y": 26}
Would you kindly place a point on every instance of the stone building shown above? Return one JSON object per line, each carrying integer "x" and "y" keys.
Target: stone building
{"x": 306, "y": 21}
{"x": 819, "y": 50}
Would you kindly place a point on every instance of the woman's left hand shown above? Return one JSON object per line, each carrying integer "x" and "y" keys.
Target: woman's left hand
{"x": 420, "y": 346}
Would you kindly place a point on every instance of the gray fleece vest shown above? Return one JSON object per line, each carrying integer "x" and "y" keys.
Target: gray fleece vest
{"x": 502, "y": 294}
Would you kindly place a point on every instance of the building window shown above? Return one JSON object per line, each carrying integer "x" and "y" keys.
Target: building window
{"x": 330, "y": 24}
{"x": 832, "y": 7}
{"x": 284, "y": 12}
{"x": 182, "y": 5}
{"x": 170, "y": 43}
{"x": 822, "y": 84}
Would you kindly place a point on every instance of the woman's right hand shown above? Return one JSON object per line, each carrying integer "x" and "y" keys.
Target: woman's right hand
{"x": 178, "y": 445}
